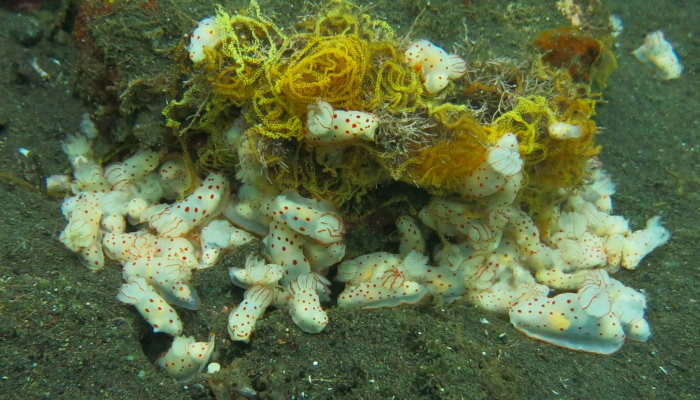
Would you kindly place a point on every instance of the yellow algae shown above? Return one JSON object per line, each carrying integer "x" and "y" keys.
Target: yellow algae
{"x": 528, "y": 120}
{"x": 345, "y": 184}
{"x": 330, "y": 68}
{"x": 549, "y": 163}
{"x": 395, "y": 88}
{"x": 249, "y": 38}
{"x": 352, "y": 61}
{"x": 341, "y": 56}
{"x": 445, "y": 164}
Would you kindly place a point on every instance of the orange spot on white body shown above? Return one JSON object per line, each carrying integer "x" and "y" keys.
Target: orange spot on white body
{"x": 561, "y": 321}
{"x": 124, "y": 247}
{"x": 361, "y": 268}
{"x": 82, "y": 234}
{"x": 186, "y": 357}
{"x": 320, "y": 257}
{"x": 122, "y": 175}
{"x": 324, "y": 124}
{"x": 206, "y": 35}
{"x": 284, "y": 247}
{"x": 596, "y": 319}
{"x": 218, "y": 236}
{"x": 411, "y": 236}
{"x": 389, "y": 285}
{"x": 173, "y": 177}
{"x": 261, "y": 279}
{"x": 241, "y": 321}
{"x": 154, "y": 309}
{"x": 445, "y": 283}
{"x": 89, "y": 178}
{"x": 170, "y": 277}
{"x": 305, "y": 305}
{"x": 500, "y": 174}
{"x": 179, "y": 218}
{"x": 313, "y": 218}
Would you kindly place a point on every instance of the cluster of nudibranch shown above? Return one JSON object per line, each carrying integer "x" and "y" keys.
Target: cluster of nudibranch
{"x": 495, "y": 257}
{"x": 492, "y": 253}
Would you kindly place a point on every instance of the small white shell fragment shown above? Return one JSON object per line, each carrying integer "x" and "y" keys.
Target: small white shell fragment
{"x": 213, "y": 368}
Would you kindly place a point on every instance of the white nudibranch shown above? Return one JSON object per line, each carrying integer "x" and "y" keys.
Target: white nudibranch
{"x": 179, "y": 218}
{"x": 154, "y": 309}
{"x": 305, "y": 304}
{"x": 205, "y": 35}
{"x": 325, "y": 124}
{"x": 562, "y": 131}
{"x": 186, "y": 357}
{"x": 504, "y": 157}
{"x": 658, "y": 53}
{"x": 436, "y": 66}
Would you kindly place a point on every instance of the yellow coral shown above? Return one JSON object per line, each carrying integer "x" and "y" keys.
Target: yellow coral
{"x": 278, "y": 117}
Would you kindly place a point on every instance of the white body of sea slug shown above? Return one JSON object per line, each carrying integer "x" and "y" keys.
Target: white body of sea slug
{"x": 658, "y": 53}
{"x": 205, "y": 35}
